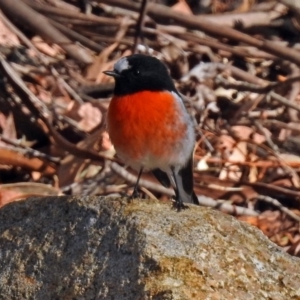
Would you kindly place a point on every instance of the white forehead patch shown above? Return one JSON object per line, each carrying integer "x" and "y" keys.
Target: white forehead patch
{"x": 121, "y": 65}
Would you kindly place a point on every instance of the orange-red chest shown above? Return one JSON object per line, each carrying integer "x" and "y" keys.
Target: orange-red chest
{"x": 145, "y": 123}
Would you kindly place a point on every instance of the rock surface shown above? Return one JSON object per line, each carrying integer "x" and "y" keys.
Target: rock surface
{"x": 97, "y": 248}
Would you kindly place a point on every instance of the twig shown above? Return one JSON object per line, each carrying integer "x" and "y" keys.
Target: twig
{"x": 12, "y": 157}
{"x": 77, "y": 37}
{"x": 69, "y": 89}
{"x": 36, "y": 105}
{"x": 265, "y": 187}
{"x": 284, "y": 101}
{"x": 23, "y": 38}
{"x": 295, "y": 127}
{"x": 27, "y": 151}
{"x": 259, "y": 164}
{"x": 158, "y": 12}
{"x": 226, "y": 207}
{"x": 293, "y": 93}
{"x": 254, "y": 88}
{"x": 50, "y": 10}
{"x": 246, "y": 86}
{"x": 37, "y": 22}
{"x": 33, "y": 104}
{"x": 276, "y": 203}
{"x": 271, "y": 113}
{"x": 248, "y": 19}
{"x": 139, "y": 25}
{"x": 292, "y": 4}
{"x": 262, "y": 130}
{"x": 194, "y": 39}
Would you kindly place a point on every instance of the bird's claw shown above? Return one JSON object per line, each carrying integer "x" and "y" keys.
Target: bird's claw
{"x": 179, "y": 206}
{"x": 135, "y": 194}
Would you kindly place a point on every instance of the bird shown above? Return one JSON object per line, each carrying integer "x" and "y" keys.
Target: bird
{"x": 150, "y": 127}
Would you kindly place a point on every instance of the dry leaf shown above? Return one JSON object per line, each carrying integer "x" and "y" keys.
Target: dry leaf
{"x": 106, "y": 142}
{"x": 233, "y": 153}
{"x": 7, "y": 37}
{"x": 90, "y": 115}
{"x": 95, "y": 70}
{"x": 8, "y": 127}
{"x": 182, "y": 7}
{"x": 53, "y": 50}
{"x": 13, "y": 158}
{"x": 22, "y": 190}
{"x": 247, "y": 133}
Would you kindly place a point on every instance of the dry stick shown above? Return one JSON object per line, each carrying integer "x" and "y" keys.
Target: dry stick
{"x": 276, "y": 203}
{"x": 33, "y": 104}
{"x": 271, "y": 187}
{"x": 77, "y": 37}
{"x": 272, "y": 113}
{"x": 115, "y": 12}
{"x": 15, "y": 158}
{"x": 245, "y": 86}
{"x": 273, "y": 146}
{"x": 193, "y": 38}
{"x": 66, "y": 86}
{"x": 27, "y": 151}
{"x": 36, "y": 105}
{"x": 288, "y": 169}
{"x": 280, "y": 124}
{"x": 249, "y": 87}
{"x": 257, "y": 164}
{"x": 37, "y": 22}
{"x": 62, "y": 5}
{"x": 159, "y": 12}
{"x": 248, "y": 19}
{"x": 292, "y": 5}
{"x": 226, "y": 207}
{"x": 293, "y": 93}
{"x": 71, "y": 22}
{"x": 107, "y": 39}
{"x": 139, "y": 25}
{"x": 284, "y": 101}
{"x": 242, "y": 75}
{"x": 193, "y": 41}
{"x": 23, "y": 37}
{"x": 46, "y": 9}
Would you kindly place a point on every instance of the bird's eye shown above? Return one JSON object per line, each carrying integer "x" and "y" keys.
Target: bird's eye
{"x": 136, "y": 72}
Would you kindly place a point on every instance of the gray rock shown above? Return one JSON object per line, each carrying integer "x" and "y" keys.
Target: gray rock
{"x": 97, "y": 248}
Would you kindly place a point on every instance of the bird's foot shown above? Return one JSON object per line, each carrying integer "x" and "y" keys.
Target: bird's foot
{"x": 178, "y": 205}
{"x": 135, "y": 194}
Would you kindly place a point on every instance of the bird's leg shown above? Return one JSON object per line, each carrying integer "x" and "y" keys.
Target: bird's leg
{"x": 135, "y": 193}
{"x": 179, "y": 203}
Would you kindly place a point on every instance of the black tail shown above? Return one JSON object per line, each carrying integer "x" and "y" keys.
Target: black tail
{"x": 162, "y": 177}
{"x": 184, "y": 182}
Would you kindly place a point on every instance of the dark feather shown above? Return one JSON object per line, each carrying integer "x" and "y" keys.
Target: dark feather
{"x": 186, "y": 174}
{"x": 162, "y": 177}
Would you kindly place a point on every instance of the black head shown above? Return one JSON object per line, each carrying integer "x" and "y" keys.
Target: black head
{"x": 140, "y": 72}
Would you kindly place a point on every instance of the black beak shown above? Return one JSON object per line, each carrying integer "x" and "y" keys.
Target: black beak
{"x": 112, "y": 73}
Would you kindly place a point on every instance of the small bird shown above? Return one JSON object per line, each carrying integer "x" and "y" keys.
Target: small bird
{"x": 149, "y": 125}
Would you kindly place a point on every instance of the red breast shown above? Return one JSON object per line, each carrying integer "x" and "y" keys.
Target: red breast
{"x": 145, "y": 122}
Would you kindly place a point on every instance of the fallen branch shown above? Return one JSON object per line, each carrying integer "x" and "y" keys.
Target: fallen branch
{"x": 37, "y": 22}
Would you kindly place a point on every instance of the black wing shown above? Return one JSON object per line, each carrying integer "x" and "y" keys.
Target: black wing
{"x": 187, "y": 179}
{"x": 162, "y": 177}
